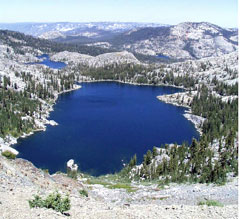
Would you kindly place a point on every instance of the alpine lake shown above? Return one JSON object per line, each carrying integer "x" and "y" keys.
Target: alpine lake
{"x": 103, "y": 124}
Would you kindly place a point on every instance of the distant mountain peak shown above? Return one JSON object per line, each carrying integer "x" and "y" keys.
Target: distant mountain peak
{"x": 187, "y": 40}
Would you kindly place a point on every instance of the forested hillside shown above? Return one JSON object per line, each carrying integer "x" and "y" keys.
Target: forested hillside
{"x": 16, "y": 40}
{"x": 28, "y": 93}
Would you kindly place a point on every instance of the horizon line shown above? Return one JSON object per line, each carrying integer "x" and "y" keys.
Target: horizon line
{"x": 139, "y": 22}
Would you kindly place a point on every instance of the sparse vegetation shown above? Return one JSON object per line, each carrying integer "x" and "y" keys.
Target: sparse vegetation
{"x": 194, "y": 163}
{"x": 197, "y": 162}
{"x": 211, "y": 203}
{"x": 97, "y": 181}
{"x": 113, "y": 181}
{"x": 46, "y": 45}
{"x": 8, "y": 155}
{"x": 83, "y": 192}
{"x": 53, "y": 200}
{"x": 127, "y": 187}
{"x": 72, "y": 174}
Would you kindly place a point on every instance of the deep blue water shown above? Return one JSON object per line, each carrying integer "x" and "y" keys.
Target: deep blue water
{"x": 163, "y": 56}
{"x": 51, "y": 64}
{"x": 103, "y": 124}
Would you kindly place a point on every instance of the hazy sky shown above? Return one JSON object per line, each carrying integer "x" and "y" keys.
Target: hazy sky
{"x": 220, "y": 12}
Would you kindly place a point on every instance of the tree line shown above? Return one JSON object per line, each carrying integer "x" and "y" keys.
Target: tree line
{"x": 208, "y": 160}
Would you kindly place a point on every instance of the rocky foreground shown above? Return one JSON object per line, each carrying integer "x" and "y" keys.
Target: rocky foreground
{"x": 20, "y": 180}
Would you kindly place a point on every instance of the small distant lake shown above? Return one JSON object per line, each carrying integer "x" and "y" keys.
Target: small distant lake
{"x": 46, "y": 61}
{"x": 163, "y": 57}
{"x": 103, "y": 125}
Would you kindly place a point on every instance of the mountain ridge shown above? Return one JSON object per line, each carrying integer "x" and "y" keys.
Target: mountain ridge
{"x": 37, "y": 29}
{"x": 188, "y": 40}
{"x": 30, "y": 92}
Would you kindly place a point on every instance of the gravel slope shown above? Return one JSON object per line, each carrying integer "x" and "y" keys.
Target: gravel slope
{"x": 20, "y": 180}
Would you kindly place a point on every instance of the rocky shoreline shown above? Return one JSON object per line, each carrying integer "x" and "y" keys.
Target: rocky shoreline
{"x": 8, "y": 143}
{"x": 130, "y": 83}
{"x": 196, "y": 120}
{"x": 184, "y": 99}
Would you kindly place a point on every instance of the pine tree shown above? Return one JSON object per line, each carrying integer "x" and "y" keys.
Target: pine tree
{"x": 147, "y": 158}
{"x": 154, "y": 152}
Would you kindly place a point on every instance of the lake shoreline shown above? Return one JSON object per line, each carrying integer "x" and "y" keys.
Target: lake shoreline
{"x": 11, "y": 141}
{"x": 183, "y": 99}
{"x": 8, "y": 143}
{"x": 93, "y": 97}
{"x": 131, "y": 83}
{"x": 195, "y": 119}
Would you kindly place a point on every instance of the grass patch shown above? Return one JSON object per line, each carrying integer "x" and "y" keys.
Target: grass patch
{"x": 211, "y": 203}
{"x": 128, "y": 188}
{"x": 9, "y": 155}
{"x": 107, "y": 183}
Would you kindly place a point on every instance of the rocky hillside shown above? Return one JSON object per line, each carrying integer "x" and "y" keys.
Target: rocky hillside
{"x": 37, "y": 84}
{"x": 18, "y": 41}
{"x": 28, "y": 92}
{"x": 89, "y": 30}
{"x": 20, "y": 181}
{"x": 30, "y": 102}
{"x": 223, "y": 68}
{"x": 102, "y": 60}
{"x": 183, "y": 41}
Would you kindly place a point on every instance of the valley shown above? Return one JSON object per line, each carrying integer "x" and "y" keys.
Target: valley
{"x": 201, "y": 75}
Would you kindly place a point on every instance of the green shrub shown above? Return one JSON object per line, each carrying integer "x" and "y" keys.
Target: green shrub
{"x": 83, "y": 192}
{"x": 9, "y": 155}
{"x": 211, "y": 203}
{"x": 72, "y": 174}
{"x": 54, "y": 201}
{"x": 36, "y": 202}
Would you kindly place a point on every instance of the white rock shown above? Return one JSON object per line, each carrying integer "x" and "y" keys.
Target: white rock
{"x": 71, "y": 165}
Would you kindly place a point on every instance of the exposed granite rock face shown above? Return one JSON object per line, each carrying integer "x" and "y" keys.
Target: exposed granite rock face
{"x": 183, "y": 41}
{"x": 196, "y": 120}
{"x": 20, "y": 180}
{"x": 51, "y": 35}
{"x": 6, "y": 143}
{"x": 178, "y": 99}
{"x": 12, "y": 65}
{"x": 184, "y": 99}
{"x": 223, "y": 69}
{"x": 98, "y": 61}
{"x": 71, "y": 166}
